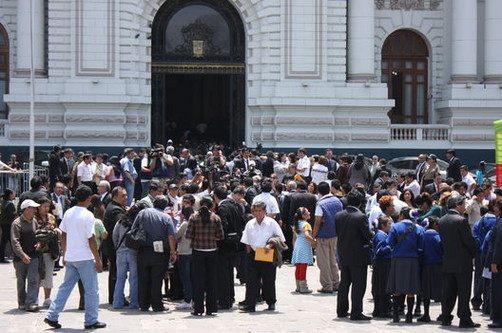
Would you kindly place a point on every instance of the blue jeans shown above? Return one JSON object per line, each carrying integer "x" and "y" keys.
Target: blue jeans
{"x": 127, "y": 260}
{"x": 86, "y": 271}
{"x": 130, "y": 191}
{"x": 185, "y": 267}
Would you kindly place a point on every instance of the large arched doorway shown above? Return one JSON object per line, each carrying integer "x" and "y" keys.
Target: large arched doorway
{"x": 198, "y": 80}
{"x": 405, "y": 70}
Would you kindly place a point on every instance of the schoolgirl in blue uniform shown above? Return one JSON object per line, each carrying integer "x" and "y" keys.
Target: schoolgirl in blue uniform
{"x": 381, "y": 268}
{"x": 406, "y": 240}
{"x": 432, "y": 259}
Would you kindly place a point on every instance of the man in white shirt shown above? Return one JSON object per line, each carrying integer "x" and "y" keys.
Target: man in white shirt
{"x": 303, "y": 165}
{"x": 81, "y": 260}
{"x": 412, "y": 184}
{"x": 467, "y": 178}
{"x": 257, "y": 234}
{"x": 85, "y": 172}
{"x": 270, "y": 201}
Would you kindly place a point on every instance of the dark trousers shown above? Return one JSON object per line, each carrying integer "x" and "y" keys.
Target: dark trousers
{"x": 487, "y": 291}
{"x": 225, "y": 281}
{"x": 477, "y": 299}
{"x": 355, "y": 276}
{"x": 496, "y": 298}
{"x": 456, "y": 285}
{"x": 151, "y": 269}
{"x": 260, "y": 275}
{"x": 5, "y": 239}
{"x": 240, "y": 265}
{"x": 112, "y": 275}
{"x": 205, "y": 277}
{"x": 288, "y": 235}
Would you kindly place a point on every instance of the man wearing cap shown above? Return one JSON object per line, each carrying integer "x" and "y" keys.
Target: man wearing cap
{"x": 81, "y": 259}
{"x": 23, "y": 240}
{"x": 453, "y": 170}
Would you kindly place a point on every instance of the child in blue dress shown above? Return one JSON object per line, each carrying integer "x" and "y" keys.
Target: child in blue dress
{"x": 302, "y": 253}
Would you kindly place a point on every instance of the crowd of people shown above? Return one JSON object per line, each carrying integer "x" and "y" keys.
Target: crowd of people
{"x": 178, "y": 223}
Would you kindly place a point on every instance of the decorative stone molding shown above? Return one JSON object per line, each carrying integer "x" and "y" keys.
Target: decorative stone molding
{"x": 472, "y": 122}
{"x": 23, "y": 118}
{"x": 93, "y": 134}
{"x": 56, "y": 134}
{"x": 81, "y": 118}
{"x": 370, "y": 121}
{"x": 407, "y": 4}
{"x": 370, "y": 137}
{"x": 473, "y": 137}
{"x": 55, "y": 118}
{"x": 13, "y": 134}
{"x": 304, "y": 136}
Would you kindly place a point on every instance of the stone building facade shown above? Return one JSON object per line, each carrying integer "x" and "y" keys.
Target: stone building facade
{"x": 352, "y": 74}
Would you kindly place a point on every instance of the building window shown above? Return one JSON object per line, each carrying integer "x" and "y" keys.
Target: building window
{"x": 4, "y": 71}
{"x": 405, "y": 70}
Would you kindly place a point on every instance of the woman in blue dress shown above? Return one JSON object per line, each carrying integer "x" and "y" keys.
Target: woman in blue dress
{"x": 302, "y": 253}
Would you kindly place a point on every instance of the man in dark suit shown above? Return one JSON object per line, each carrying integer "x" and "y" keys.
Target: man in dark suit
{"x": 104, "y": 192}
{"x": 187, "y": 161}
{"x": 459, "y": 249}
{"x": 434, "y": 188}
{"x": 495, "y": 261}
{"x": 61, "y": 201}
{"x": 354, "y": 251}
{"x": 453, "y": 170}
{"x": 55, "y": 174}
{"x": 291, "y": 187}
{"x": 67, "y": 162}
{"x": 302, "y": 198}
{"x": 114, "y": 212}
{"x": 233, "y": 225}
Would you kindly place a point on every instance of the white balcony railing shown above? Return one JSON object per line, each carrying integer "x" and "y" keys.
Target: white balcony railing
{"x": 403, "y": 132}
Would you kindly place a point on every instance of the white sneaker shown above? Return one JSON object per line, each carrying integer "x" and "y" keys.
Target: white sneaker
{"x": 47, "y": 302}
{"x": 184, "y": 306}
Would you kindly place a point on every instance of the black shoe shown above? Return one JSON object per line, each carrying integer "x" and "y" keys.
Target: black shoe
{"x": 57, "y": 269}
{"x": 409, "y": 318}
{"x": 468, "y": 324}
{"x": 4, "y": 261}
{"x": 97, "y": 324}
{"x": 424, "y": 319}
{"x": 224, "y": 307}
{"x": 445, "y": 320}
{"x": 242, "y": 303}
{"x": 360, "y": 317}
{"x": 493, "y": 325}
{"x": 247, "y": 309}
{"x": 343, "y": 315}
{"x": 162, "y": 309}
{"x": 476, "y": 308}
{"x": 271, "y": 307}
{"x": 31, "y": 308}
{"x": 143, "y": 309}
{"x": 196, "y": 313}
{"x": 53, "y": 324}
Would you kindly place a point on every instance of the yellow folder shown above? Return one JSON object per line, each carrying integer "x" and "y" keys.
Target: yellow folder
{"x": 261, "y": 255}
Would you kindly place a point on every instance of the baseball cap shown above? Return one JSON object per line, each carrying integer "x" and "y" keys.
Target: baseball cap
{"x": 29, "y": 203}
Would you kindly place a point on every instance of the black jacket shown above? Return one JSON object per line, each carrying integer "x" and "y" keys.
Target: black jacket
{"x": 459, "y": 246}
{"x": 354, "y": 237}
{"x": 453, "y": 169}
{"x": 55, "y": 166}
{"x": 113, "y": 213}
{"x": 301, "y": 198}
{"x": 232, "y": 222}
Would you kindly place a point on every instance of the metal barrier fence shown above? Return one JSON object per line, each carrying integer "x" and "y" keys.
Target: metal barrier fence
{"x": 19, "y": 181}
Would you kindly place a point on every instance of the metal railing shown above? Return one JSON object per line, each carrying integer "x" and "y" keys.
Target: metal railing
{"x": 19, "y": 181}
{"x": 403, "y": 132}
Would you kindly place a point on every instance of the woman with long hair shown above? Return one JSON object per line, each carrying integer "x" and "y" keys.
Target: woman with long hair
{"x": 409, "y": 198}
{"x": 204, "y": 229}
{"x": 46, "y": 225}
{"x": 114, "y": 173}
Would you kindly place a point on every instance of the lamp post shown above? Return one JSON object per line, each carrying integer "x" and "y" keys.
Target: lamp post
{"x": 32, "y": 95}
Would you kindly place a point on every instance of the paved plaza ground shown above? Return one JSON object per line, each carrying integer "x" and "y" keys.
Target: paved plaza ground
{"x": 295, "y": 313}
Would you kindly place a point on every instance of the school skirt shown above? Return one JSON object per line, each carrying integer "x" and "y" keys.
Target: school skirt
{"x": 432, "y": 281}
{"x": 380, "y": 277}
{"x": 404, "y": 276}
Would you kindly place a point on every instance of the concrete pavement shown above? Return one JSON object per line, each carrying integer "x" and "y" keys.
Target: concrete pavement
{"x": 294, "y": 313}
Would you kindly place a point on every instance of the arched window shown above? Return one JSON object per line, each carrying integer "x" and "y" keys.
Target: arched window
{"x": 4, "y": 71}
{"x": 405, "y": 70}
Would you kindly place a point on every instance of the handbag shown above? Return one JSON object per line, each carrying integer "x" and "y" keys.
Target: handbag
{"x": 135, "y": 238}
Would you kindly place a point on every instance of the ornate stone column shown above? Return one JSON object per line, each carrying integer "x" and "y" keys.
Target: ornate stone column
{"x": 24, "y": 36}
{"x": 493, "y": 41}
{"x": 361, "y": 40}
{"x": 464, "y": 41}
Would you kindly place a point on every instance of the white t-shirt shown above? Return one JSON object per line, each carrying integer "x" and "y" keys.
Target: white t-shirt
{"x": 271, "y": 202}
{"x": 78, "y": 224}
{"x": 256, "y": 235}
{"x": 85, "y": 172}
{"x": 319, "y": 173}
{"x": 469, "y": 181}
